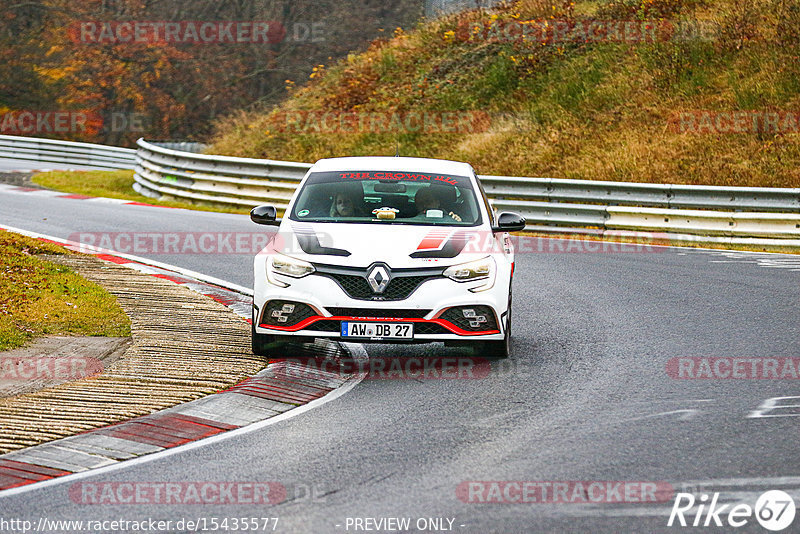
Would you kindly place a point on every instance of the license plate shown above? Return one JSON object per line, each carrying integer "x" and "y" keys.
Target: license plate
{"x": 378, "y": 330}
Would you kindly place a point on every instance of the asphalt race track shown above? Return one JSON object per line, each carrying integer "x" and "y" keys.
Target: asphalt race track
{"x": 586, "y": 396}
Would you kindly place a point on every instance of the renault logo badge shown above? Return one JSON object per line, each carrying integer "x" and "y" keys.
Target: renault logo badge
{"x": 378, "y": 278}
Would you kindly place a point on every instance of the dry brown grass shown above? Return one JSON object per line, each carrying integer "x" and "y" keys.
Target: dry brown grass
{"x": 590, "y": 111}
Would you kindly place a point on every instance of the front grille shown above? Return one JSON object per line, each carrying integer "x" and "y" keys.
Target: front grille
{"x": 471, "y": 318}
{"x": 399, "y": 287}
{"x": 379, "y": 313}
{"x": 354, "y": 280}
{"x": 356, "y": 287}
{"x": 326, "y": 326}
{"x": 430, "y": 328}
{"x": 285, "y": 313}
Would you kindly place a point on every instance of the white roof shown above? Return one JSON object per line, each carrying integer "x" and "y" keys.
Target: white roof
{"x": 385, "y": 163}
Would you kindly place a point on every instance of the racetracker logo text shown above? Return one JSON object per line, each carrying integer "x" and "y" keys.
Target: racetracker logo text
{"x": 49, "y": 368}
{"x": 563, "y": 492}
{"x": 699, "y": 368}
{"x": 29, "y": 122}
{"x": 555, "y": 32}
{"x": 735, "y": 122}
{"x": 260, "y": 493}
{"x": 377, "y": 122}
{"x": 390, "y": 368}
{"x": 177, "y": 32}
{"x": 173, "y": 242}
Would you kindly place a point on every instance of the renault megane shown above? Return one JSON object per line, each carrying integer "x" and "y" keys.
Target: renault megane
{"x": 390, "y": 250}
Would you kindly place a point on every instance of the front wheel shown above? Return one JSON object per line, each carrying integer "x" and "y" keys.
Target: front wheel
{"x": 266, "y": 344}
{"x": 262, "y": 344}
{"x": 499, "y": 349}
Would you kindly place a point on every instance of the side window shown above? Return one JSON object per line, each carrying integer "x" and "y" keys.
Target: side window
{"x": 489, "y": 209}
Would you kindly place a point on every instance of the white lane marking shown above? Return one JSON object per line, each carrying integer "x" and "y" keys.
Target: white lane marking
{"x": 356, "y": 351}
{"x": 771, "y": 405}
{"x": 688, "y": 413}
{"x": 25, "y": 190}
{"x": 104, "y": 200}
{"x": 762, "y": 259}
{"x": 650, "y": 401}
{"x": 146, "y": 261}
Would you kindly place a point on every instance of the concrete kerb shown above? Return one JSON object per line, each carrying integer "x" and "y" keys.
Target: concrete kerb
{"x": 150, "y": 400}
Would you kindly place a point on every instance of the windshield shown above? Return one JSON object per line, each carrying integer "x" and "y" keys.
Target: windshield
{"x": 383, "y": 197}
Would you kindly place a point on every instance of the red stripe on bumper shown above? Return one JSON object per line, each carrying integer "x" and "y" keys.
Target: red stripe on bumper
{"x": 441, "y": 322}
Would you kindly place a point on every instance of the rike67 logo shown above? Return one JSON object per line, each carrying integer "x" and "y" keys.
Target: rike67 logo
{"x": 774, "y": 510}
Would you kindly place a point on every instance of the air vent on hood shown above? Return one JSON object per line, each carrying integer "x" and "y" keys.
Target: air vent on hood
{"x": 310, "y": 244}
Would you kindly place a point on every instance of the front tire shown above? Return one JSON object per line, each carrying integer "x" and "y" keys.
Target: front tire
{"x": 499, "y": 349}
{"x": 262, "y": 344}
{"x": 265, "y": 344}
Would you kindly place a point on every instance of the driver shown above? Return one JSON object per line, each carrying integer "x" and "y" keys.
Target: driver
{"x": 345, "y": 203}
{"x": 426, "y": 199}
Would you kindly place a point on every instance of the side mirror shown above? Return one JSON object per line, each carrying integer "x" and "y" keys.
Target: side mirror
{"x": 265, "y": 215}
{"x": 509, "y": 222}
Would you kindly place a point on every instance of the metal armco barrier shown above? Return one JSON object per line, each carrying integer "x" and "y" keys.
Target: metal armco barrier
{"x": 650, "y": 195}
{"x": 549, "y": 204}
{"x": 69, "y": 152}
{"x": 162, "y": 171}
{"x": 594, "y": 206}
{"x": 712, "y": 223}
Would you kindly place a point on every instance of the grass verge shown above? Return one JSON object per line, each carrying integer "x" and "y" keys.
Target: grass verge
{"x": 114, "y": 184}
{"x": 38, "y": 297}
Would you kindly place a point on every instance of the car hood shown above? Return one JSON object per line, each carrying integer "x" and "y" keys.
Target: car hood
{"x": 398, "y": 245}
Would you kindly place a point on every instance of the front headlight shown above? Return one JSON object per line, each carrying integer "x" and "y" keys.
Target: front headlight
{"x": 286, "y": 265}
{"x": 483, "y": 269}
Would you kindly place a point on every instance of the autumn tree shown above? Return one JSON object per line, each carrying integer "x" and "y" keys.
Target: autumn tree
{"x": 174, "y": 90}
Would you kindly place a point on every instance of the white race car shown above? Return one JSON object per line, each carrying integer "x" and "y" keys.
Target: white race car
{"x": 390, "y": 250}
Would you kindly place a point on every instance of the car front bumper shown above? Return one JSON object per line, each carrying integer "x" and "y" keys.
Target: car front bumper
{"x": 435, "y": 308}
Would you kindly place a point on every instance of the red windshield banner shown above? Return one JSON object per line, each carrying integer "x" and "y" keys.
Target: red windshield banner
{"x": 421, "y": 177}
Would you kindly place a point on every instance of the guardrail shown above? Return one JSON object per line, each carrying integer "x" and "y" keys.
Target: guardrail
{"x": 737, "y": 212}
{"x": 562, "y": 204}
{"x": 218, "y": 179}
{"x": 649, "y": 195}
{"x": 577, "y": 206}
{"x": 69, "y": 152}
